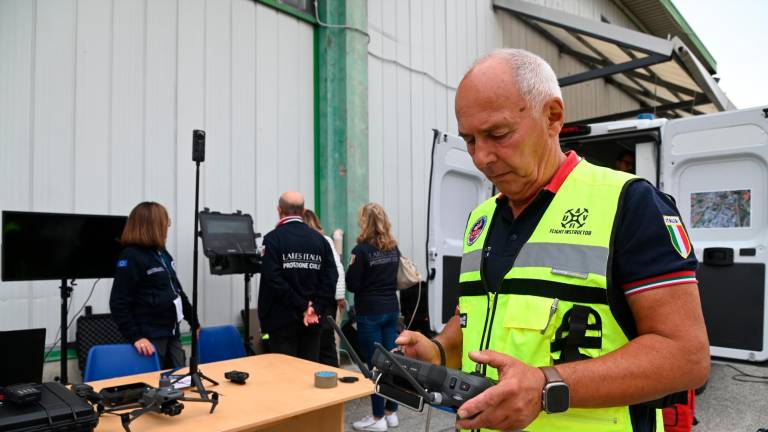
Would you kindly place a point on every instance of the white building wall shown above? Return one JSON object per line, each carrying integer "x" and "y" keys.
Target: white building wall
{"x": 98, "y": 100}
{"x": 418, "y": 52}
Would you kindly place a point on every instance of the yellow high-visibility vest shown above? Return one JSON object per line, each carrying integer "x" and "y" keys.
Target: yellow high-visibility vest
{"x": 552, "y": 305}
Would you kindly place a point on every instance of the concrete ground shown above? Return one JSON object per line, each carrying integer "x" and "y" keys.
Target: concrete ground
{"x": 726, "y": 405}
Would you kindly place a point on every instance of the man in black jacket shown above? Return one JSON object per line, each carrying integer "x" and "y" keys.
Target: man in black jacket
{"x": 298, "y": 281}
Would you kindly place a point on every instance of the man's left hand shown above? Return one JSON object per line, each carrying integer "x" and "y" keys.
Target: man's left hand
{"x": 513, "y": 403}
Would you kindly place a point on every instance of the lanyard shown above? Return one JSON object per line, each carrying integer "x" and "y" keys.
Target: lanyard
{"x": 167, "y": 270}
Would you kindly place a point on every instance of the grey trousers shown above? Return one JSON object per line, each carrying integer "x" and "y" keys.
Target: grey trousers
{"x": 170, "y": 352}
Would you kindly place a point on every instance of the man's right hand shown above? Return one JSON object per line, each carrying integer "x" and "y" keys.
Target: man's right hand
{"x": 144, "y": 347}
{"x": 310, "y": 317}
{"x": 416, "y": 345}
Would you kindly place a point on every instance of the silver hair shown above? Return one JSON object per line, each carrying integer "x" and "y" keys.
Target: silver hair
{"x": 535, "y": 78}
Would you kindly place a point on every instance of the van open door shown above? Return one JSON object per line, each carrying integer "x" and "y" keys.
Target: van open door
{"x": 716, "y": 167}
{"x": 455, "y": 188}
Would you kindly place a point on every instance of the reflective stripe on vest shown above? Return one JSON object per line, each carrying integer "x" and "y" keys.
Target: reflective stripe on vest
{"x": 552, "y": 304}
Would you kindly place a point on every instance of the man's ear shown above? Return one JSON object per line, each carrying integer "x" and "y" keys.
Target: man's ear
{"x": 554, "y": 111}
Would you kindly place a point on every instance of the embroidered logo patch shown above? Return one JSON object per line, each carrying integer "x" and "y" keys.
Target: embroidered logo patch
{"x": 677, "y": 234}
{"x": 122, "y": 263}
{"x": 476, "y": 230}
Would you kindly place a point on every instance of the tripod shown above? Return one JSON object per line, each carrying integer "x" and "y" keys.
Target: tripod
{"x": 197, "y": 377}
{"x": 247, "y": 315}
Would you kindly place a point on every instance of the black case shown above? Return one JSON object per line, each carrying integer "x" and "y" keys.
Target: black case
{"x": 59, "y": 409}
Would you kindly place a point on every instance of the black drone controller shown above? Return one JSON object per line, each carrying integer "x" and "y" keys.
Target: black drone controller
{"x": 444, "y": 386}
{"x": 412, "y": 382}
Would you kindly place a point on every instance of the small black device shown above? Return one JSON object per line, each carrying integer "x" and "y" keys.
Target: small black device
{"x": 236, "y": 377}
{"x": 556, "y": 396}
{"x": 22, "y": 394}
{"x": 413, "y": 382}
{"x": 348, "y": 379}
{"x": 198, "y": 145}
{"x": 26, "y": 363}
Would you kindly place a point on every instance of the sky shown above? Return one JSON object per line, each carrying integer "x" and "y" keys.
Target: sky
{"x": 735, "y": 32}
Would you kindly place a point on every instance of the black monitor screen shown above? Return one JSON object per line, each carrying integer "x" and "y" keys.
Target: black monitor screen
{"x": 42, "y": 246}
{"x": 25, "y": 365}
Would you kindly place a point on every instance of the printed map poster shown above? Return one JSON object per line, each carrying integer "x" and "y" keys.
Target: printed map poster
{"x": 721, "y": 209}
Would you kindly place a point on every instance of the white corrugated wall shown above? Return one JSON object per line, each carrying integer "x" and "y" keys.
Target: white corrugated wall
{"x": 98, "y": 100}
{"x": 418, "y": 53}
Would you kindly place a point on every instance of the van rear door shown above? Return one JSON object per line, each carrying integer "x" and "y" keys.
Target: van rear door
{"x": 456, "y": 187}
{"x": 716, "y": 167}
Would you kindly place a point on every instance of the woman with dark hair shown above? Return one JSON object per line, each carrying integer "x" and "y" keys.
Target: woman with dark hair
{"x": 147, "y": 301}
{"x": 372, "y": 276}
{"x": 328, "y": 353}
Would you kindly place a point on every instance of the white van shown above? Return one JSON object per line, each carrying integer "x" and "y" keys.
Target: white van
{"x": 716, "y": 168}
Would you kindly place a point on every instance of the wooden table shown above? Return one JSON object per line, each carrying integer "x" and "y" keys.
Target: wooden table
{"x": 279, "y": 396}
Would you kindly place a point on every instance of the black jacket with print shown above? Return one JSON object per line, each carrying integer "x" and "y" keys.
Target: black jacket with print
{"x": 143, "y": 291}
{"x": 297, "y": 267}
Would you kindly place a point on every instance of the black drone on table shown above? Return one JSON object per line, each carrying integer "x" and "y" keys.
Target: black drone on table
{"x": 162, "y": 400}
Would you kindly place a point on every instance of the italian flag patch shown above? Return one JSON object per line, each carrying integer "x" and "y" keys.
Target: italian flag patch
{"x": 680, "y": 240}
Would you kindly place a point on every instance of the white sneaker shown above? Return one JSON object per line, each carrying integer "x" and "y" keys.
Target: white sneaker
{"x": 370, "y": 424}
{"x": 392, "y": 420}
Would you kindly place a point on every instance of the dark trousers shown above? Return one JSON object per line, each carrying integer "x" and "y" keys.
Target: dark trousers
{"x": 169, "y": 350}
{"x": 328, "y": 354}
{"x": 296, "y": 340}
{"x": 382, "y": 329}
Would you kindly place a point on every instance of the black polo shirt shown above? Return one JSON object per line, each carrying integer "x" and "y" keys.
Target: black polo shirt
{"x": 644, "y": 255}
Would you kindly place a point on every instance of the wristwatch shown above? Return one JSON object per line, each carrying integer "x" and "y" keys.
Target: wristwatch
{"x": 556, "y": 396}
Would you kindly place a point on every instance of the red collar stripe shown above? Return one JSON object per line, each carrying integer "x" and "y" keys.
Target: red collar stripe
{"x": 289, "y": 219}
{"x": 571, "y": 160}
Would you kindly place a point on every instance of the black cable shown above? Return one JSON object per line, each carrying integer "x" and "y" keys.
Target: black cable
{"x": 69, "y": 306}
{"x": 745, "y": 377}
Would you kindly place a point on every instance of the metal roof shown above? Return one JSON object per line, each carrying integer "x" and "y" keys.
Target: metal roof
{"x": 663, "y": 76}
{"x": 661, "y": 18}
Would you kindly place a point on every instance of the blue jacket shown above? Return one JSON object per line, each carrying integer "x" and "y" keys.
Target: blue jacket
{"x": 143, "y": 291}
{"x": 297, "y": 267}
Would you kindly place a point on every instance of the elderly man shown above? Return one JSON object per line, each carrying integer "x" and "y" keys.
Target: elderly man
{"x": 298, "y": 281}
{"x": 578, "y": 289}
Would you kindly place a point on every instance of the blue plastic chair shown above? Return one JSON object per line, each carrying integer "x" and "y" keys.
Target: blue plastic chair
{"x": 109, "y": 361}
{"x": 220, "y": 343}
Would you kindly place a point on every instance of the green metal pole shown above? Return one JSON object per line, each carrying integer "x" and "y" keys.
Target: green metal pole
{"x": 342, "y": 116}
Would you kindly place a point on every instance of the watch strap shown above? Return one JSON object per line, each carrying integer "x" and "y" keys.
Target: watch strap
{"x": 551, "y": 374}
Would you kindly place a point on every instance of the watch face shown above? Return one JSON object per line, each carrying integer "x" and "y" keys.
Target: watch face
{"x": 557, "y": 397}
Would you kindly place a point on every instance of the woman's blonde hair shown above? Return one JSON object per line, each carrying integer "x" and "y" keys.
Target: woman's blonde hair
{"x": 147, "y": 226}
{"x": 375, "y": 227}
{"x": 311, "y": 219}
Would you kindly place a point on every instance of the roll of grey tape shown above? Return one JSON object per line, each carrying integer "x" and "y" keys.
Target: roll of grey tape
{"x": 325, "y": 379}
